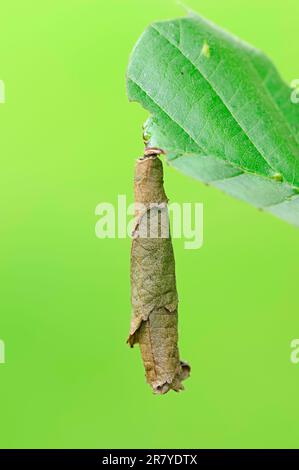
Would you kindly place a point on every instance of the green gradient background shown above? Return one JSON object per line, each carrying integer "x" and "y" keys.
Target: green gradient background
{"x": 68, "y": 141}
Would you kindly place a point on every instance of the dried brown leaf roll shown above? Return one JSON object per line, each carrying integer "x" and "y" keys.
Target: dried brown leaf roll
{"x": 154, "y": 297}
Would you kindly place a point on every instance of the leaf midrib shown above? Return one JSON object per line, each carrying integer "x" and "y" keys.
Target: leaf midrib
{"x": 221, "y": 99}
{"x": 178, "y": 124}
{"x": 242, "y": 171}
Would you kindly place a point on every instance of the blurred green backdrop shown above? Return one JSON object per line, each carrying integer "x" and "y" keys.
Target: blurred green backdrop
{"x": 68, "y": 141}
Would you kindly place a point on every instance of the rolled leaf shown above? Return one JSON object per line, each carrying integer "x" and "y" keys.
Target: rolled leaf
{"x": 154, "y": 297}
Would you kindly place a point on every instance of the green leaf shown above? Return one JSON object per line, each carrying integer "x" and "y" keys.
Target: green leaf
{"x": 220, "y": 111}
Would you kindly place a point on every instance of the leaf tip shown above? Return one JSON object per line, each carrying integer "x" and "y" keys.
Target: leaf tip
{"x": 184, "y": 6}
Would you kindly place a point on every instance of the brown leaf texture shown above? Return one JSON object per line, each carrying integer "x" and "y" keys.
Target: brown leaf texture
{"x": 154, "y": 323}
